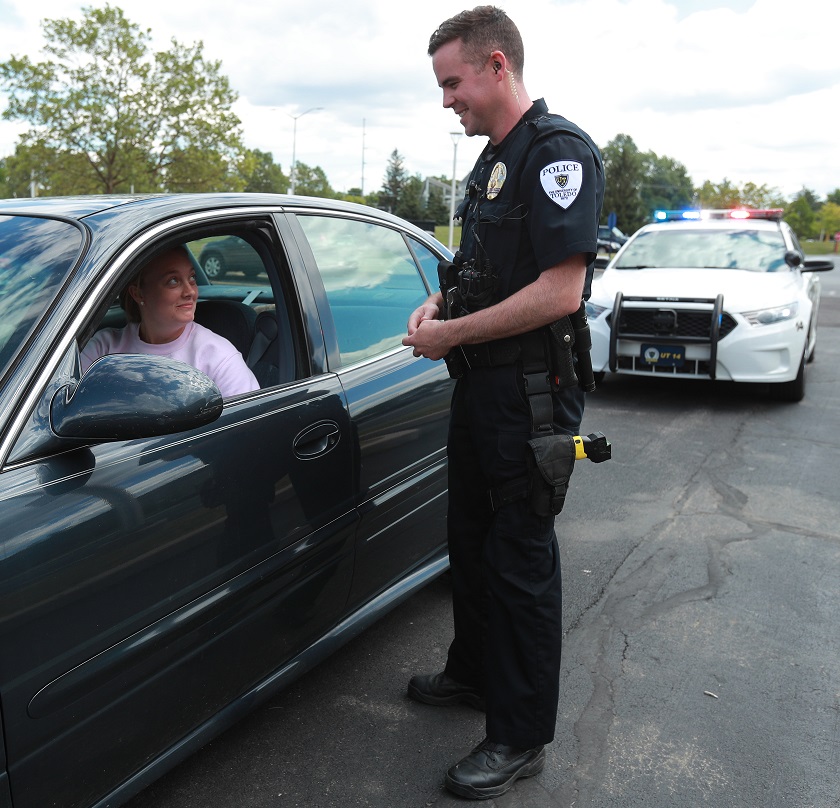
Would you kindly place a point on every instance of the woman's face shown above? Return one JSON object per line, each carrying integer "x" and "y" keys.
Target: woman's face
{"x": 166, "y": 294}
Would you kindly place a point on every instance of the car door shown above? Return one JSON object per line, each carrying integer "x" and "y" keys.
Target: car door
{"x": 399, "y": 404}
{"x": 149, "y": 583}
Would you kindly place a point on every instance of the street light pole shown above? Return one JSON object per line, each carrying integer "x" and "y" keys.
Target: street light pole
{"x": 293, "y": 177}
{"x": 456, "y": 136}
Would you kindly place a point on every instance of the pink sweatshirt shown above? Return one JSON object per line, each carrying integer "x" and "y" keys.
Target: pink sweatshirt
{"x": 198, "y": 346}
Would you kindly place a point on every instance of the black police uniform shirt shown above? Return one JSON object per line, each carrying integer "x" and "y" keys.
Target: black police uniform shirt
{"x": 533, "y": 201}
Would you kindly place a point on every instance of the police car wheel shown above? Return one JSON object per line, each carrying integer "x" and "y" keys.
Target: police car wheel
{"x": 795, "y": 390}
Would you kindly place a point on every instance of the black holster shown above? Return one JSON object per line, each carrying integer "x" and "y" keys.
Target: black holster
{"x": 551, "y": 462}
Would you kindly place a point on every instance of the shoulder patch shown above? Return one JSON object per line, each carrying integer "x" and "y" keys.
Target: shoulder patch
{"x": 562, "y": 181}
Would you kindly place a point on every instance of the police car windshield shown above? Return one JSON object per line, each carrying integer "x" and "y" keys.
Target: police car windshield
{"x": 757, "y": 250}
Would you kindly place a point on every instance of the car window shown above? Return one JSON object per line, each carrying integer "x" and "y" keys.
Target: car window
{"x": 428, "y": 262}
{"x": 238, "y": 302}
{"x": 752, "y": 249}
{"x": 371, "y": 280}
{"x": 36, "y": 256}
{"x": 229, "y": 260}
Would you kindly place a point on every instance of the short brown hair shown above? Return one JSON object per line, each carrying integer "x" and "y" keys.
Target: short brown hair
{"x": 482, "y": 30}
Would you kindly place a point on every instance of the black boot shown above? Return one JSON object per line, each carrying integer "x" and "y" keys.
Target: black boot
{"x": 491, "y": 769}
{"x": 440, "y": 690}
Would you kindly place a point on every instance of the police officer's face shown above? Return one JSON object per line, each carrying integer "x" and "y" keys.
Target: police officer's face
{"x": 470, "y": 94}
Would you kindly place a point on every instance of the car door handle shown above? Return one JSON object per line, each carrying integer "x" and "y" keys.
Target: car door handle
{"x": 316, "y": 440}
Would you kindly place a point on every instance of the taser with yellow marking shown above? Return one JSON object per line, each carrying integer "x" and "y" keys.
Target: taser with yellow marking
{"x": 594, "y": 446}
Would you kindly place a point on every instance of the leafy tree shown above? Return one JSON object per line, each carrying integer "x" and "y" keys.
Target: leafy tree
{"x": 624, "y": 169}
{"x": 312, "y": 181}
{"x": 411, "y": 204}
{"x": 719, "y": 196}
{"x": 260, "y": 174}
{"x": 834, "y": 196}
{"x": 121, "y": 115}
{"x": 811, "y": 198}
{"x": 41, "y": 171}
{"x": 193, "y": 170}
{"x": 437, "y": 208}
{"x": 801, "y": 217}
{"x": 666, "y": 184}
{"x": 760, "y": 196}
{"x": 828, "y": 219}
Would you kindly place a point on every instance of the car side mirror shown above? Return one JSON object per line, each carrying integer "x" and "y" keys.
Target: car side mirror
{"x": 793, "y": 259}
{"x": 127, "y": 396}
{"x": 818, "y": 265}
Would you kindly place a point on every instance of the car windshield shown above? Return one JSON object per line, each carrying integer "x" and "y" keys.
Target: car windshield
{"x": 36, "y": 256}
{"x": 758, "y": 250}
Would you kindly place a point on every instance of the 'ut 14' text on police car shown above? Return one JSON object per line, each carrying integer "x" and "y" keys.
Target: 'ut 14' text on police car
{"x": 709, "y": 295}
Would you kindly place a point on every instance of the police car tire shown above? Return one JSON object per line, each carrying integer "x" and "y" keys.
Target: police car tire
{"x": 794, "y": 390}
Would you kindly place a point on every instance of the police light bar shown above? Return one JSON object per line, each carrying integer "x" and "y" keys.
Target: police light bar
{"x": 771, "y": 214}
{"x": 676, "y": 215}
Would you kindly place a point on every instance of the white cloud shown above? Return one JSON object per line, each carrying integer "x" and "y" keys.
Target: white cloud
{"x": 743, "y": 89}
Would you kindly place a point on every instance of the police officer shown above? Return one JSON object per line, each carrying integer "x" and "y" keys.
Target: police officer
{"x": 530, "y": 222}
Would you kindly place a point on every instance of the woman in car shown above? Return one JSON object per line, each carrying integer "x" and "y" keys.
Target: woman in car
{"x": 160, "y": 305}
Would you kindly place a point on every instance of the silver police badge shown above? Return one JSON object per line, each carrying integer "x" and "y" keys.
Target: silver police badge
{"x": 497, "y": 180}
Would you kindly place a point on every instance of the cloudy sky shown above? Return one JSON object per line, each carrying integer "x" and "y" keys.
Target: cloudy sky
{"x": 745, "y": 90}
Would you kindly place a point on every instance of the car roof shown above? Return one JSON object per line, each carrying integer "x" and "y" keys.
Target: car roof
{"x": 160, "y": 206}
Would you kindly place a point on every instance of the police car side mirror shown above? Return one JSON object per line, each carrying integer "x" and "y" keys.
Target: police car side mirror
{"x": 818, "y": 265}
{"x": 793, "y": 259}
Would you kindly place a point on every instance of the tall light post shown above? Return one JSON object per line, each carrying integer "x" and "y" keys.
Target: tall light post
{"x": 293, "y": 178}
{"x": 456, "y": 136}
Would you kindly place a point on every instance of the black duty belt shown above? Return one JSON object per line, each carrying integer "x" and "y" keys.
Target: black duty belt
{"x": 529, "y": 347}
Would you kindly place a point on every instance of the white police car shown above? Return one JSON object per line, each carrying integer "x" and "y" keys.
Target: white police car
{"x": 709, "y": 295}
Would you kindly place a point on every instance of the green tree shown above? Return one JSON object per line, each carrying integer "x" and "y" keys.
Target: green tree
{"x": 801, "y": 217}
{"x": 125, "y": 116}
{"x": 312, "y": 181}
{"x": 411, "y": 204}
{"x": 260, "y": 174}
{"x": 719, "y": 196}
{"x": 666, "y": 184}
{"x": 394, "y": 183}
{"x": 437, "y": 208}
{"x": 811, "y": 198}
{"x": 624, "y": 170}
{"x": 760, "y": 196}
{"x": 834, "y": 196}
{"x": 828, "y": 219}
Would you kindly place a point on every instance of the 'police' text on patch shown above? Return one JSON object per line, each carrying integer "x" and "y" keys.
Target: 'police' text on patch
{"x": 562, "y": 181}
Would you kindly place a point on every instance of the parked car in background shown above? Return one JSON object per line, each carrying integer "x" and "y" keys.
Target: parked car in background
{"x": 224, "y": 254}
{"x": 709, "y": 295}
{"x": 610, "y": 239}
{"x": 169, "y": 559}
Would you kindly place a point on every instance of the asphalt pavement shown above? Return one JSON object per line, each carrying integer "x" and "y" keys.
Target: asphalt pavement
{"x": 701, "y": 663}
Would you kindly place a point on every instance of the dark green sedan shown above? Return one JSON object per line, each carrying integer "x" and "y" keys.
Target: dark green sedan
{"x": 170, "y": 558}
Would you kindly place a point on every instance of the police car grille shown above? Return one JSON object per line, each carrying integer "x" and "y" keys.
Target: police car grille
{"x": 691, "y": 325}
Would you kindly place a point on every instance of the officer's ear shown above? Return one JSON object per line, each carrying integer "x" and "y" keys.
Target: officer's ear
{"x": 498, "y": 63}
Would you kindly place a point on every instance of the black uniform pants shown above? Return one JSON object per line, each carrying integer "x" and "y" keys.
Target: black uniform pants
{"x": 505, "y": 564}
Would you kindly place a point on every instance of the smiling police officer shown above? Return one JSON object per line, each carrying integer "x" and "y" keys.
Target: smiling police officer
{"x": 530, "y": 226}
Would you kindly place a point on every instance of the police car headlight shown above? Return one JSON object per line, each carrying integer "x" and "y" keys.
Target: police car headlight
{"x": 769, "y": 316}
{"x": 593, "y": 310}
